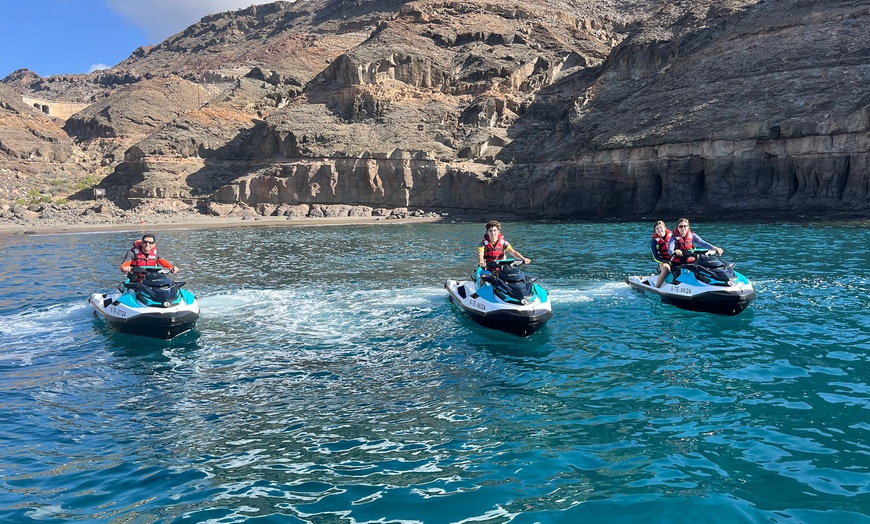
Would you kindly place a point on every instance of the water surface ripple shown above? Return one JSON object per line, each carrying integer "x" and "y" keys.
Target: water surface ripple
{"x": 330, "y": 380}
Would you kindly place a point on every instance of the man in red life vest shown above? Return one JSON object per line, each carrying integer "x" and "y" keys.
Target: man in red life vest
{"x": 144, "y": 253}
{"x": 494, "y": 246}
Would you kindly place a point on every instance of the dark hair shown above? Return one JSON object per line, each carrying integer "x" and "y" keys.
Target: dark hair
{"x": 491, "y": 223}
{"x": 149, "y": 235}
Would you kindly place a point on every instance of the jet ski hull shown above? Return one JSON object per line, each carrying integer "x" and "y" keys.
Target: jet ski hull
{"x": 124, "y": 315}
{"x": 722, "y": 300}
{"x": 482, "y": 307}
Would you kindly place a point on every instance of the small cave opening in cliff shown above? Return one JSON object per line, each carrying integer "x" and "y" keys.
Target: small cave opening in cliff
{"x": 658, "y": 188}
{"x": 699, "y": 187}
{"x": 794, "y": 185}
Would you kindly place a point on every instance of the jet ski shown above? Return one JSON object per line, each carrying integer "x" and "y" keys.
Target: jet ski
{"x": 705, "y": 283}
{"x": 503, "y": 297}
{"x": 148, "y": 303}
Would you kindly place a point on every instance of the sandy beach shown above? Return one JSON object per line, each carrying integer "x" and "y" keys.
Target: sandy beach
{"x": 209, "y": 222}
{"x": 202, "y": 223}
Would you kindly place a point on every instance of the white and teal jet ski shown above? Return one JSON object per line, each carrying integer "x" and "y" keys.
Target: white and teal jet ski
{"x": 148, "y": 303}
{"x": 705, "y": 283}
{"x": 503, "y": 298}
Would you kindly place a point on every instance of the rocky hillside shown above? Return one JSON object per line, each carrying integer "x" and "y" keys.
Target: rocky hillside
{"x": 542, "y": 108}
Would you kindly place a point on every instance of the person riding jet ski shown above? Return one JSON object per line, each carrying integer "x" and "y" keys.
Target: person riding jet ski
{"x": 148, "y": 302}
{"x": 683, "y": 240}
{"x": 500, "y": 295}
{"x": 698, "y": 279}
{"x": 660, "y": 245}
{"x": 494, "y": 247}
{"x": 144, "y": 254}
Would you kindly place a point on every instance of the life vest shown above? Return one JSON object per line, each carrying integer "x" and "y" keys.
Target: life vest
{"x": 683, "y": 243}
{"x": 662, "y": 245}
{"x": 140, "y": 259}
{"x": 492, "y": 251}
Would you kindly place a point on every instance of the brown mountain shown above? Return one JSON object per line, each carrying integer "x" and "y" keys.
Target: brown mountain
{"x": 563, "y": 109}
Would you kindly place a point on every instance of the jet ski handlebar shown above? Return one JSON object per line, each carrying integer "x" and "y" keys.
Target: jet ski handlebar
{"x": 140, "y": 276}
{"x": 498, "y": 264}
{"x": 141, "y": 270}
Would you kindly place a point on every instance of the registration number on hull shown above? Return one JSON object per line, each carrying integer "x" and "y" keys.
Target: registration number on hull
{"x": 476, "y": 304}
{"x": 682, "y": 290}
{"x": 118, "y": 312}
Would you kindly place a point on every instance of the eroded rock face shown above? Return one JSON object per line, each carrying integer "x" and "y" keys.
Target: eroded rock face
{"x": 27, "y": 134}
{"x": 137, "y": 110}
{"x": 565, "y": 109}
{"x": 692, "y": 111}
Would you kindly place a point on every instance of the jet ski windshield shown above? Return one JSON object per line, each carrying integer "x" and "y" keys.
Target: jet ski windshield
{"x": 511, "y": 283}
{"x": 155, "y": 288}
{"x": 710, "y": 269}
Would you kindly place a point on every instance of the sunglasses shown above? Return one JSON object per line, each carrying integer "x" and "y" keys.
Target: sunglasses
{"x": 148, "y": 242}
{"x": 681, "y": 226}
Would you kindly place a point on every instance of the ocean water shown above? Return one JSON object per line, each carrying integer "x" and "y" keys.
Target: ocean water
{"x": 330, "y": 380}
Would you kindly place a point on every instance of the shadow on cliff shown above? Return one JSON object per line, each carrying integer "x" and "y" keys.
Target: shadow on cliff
{"x": 116, "y": 185}
{"x": 221, "y": 166}
{"x": 541, "y": 159}
{"x": 227, "y": 163}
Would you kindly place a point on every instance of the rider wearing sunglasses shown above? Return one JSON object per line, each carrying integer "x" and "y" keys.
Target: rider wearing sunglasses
{"x": 144, "y": 253}
{"x": 684, "y": 239}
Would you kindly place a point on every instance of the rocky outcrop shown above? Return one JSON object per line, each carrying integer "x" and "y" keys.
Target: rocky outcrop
{"x": 654, "y": 127}
{"x": 27, "y": 134}
{"x": 137, "y": 110}
{"x": 615, "y": 108}
{"x": 785, "y": 177}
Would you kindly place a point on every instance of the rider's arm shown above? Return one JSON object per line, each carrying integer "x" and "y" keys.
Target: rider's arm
{"x": 167, "y": 264}
{"x": 125, "y": 264}
{"x": 671, "y": 243}
{"x": 480, "y": 261}
{"x": 516, "y": 254}
{"x": 700, "y": 242}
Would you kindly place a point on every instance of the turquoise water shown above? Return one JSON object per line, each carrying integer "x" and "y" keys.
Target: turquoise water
{"x": 331, "y": 381}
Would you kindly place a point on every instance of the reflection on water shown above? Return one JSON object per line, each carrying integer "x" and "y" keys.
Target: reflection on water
{"x": 330, "y": 380}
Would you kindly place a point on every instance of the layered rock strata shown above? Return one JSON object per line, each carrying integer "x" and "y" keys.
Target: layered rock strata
{"x": 554, "y": 109}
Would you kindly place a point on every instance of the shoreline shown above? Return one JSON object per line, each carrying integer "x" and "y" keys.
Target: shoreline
{"x": 197, "y": 221}
{"x": 203, "y": 222}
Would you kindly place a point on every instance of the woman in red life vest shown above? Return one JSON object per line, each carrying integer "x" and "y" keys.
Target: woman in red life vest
{"x": 659, "y": 244}
{"x": 683, "y": 239}
{"x": 144, "y": 253}
{"x": 494, "y": 246}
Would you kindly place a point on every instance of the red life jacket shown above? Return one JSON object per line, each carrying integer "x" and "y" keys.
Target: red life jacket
{"x": 492, "y": 251}
{"x": 662, "y": 245}
{"x": 683, "y": 243}
{"x": 140, "y": 259}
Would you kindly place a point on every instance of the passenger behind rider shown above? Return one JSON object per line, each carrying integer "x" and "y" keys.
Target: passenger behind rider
{"x": 660, "y": 250}
{"x": 144, "y": 253}
{"x": 494, "y": 246}
{"x": 683, "y": 240}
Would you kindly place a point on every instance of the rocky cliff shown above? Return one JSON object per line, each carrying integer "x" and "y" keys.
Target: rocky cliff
{"x": 541, "y": 108}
